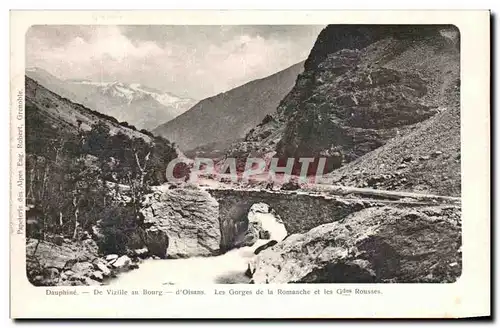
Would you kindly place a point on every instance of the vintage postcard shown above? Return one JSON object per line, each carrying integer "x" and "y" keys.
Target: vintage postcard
{"x": 250, "y": 164}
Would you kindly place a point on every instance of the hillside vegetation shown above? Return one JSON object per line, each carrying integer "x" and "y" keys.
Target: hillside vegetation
{"x": 77, "y": 163}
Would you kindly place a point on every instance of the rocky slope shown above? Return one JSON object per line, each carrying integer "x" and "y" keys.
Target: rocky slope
{"x": 375, "y": 245}
{"x": 50, "y": 82}
{"x": 361, "y": 86}
{"x": 427, "y": 159}
{"x": 136, "y": 104}
{"x": 226, "y": 117}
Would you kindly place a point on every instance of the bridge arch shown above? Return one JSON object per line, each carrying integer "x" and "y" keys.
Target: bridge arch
{"x": 300, "y": 212}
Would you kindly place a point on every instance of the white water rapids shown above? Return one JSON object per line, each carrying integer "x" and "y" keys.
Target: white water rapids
{"x": 204, "y": 270}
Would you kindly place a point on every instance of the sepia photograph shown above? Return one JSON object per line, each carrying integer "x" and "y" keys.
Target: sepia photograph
{"x": 249, "y": 164}
{"x": 255, "y": 154}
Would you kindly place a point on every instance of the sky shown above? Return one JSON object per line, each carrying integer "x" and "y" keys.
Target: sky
{"x": 189, "y": 61}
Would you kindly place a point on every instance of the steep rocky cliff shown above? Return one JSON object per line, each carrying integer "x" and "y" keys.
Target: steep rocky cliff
{"x": 361, "y": 86}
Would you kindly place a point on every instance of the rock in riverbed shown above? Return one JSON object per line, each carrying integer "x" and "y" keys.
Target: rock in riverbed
{"x": 181, "y": 223}
{"x": 122, "y": 262}
{"x": 71, "y": 264}
{"x": 102, "y": 266}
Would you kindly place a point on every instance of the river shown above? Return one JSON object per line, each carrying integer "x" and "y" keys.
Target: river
{"x": 226, "y": 268}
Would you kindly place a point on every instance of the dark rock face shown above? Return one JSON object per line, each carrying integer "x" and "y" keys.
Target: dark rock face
{"x": 156, "y": 241}
{"x": 181, "y": 223}
{"x": 265, "y": 246}
{"x": 250, "y": 236}
{"x": 337, "y": 37}
{"x": 362, "y": 85}
{"x": 375, "y": 245}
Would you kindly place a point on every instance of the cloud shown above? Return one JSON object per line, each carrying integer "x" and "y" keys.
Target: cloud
{"x": 195, "y": 61}
{"x": 106, "y": 47}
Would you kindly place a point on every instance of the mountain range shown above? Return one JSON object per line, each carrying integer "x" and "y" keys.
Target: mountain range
{"x": 136, "y": 104}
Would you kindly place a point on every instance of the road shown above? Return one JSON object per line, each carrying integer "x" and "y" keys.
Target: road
{"x": 362, "y": 193}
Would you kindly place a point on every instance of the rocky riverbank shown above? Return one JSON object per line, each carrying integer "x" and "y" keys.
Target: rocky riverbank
{"x": 374, "y": 245}
{"x": 379, "y": 243}
{"x": 62, "y": 262}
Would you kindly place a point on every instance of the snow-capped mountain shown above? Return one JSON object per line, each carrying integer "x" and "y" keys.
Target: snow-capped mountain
{"x": 136, "y": 104}
{"x": 135, "y": 91}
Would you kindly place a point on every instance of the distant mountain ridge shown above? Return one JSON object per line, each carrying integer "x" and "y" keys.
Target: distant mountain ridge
{"x": 227, "y": 117}
{"x": 139, "y": 105}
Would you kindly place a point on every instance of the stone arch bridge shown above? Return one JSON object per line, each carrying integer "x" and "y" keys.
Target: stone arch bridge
{"x": 185, "y": 222}
{"x": 302, "y": 210}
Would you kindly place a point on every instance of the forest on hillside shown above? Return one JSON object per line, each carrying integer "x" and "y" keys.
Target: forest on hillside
{"x": 89, "y": 182}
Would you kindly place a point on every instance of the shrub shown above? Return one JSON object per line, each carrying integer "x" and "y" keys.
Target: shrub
{"x": 117, "y": 225}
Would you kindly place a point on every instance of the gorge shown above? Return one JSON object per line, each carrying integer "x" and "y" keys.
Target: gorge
{"x": 274, "y": 212}
{"x": 380, "y": 103}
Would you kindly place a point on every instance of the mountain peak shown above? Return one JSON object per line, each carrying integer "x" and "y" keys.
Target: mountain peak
{"x": 134, "y": 103}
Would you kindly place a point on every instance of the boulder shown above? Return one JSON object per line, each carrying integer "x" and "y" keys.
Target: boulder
{"x": 53, "y": 261}
{"x": 45, "y": 277}
{"x": 141, "y": 252}
{"x": 102, "y": 267}
{"x": 78, "y": 277}
{"x": 122, "y": 262}
{"x": 182, "y": 222}
{"x": 83, "y": 268}
{"x": 97, "y": 275}
{"x": 373, "y": 245}
{"x": 52, "y": 255}
{"x": 111, "y": 257}
{"x": 53, "y": 273}
{"x": 91, "y": 282}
